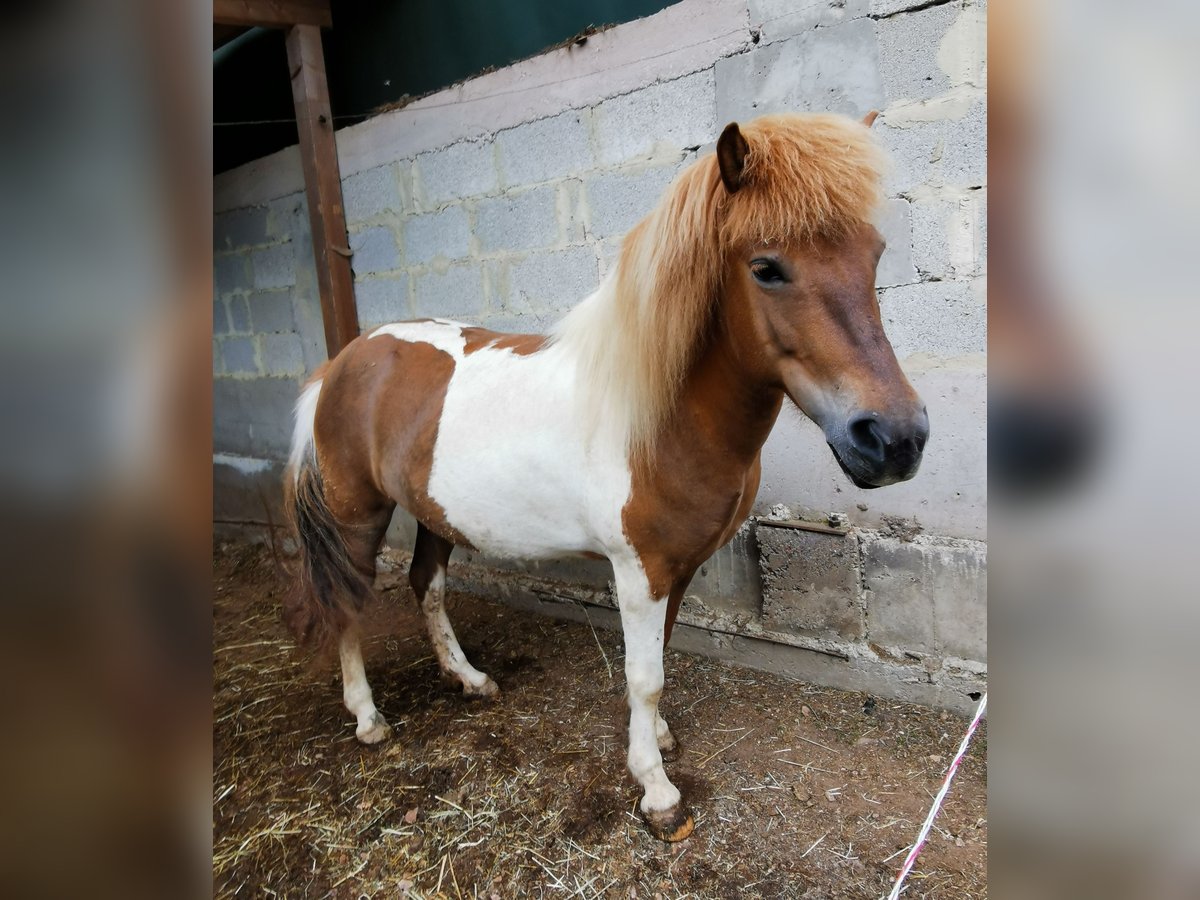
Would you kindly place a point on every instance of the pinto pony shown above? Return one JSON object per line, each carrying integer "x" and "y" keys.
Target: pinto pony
{"x": 632, "y": 431}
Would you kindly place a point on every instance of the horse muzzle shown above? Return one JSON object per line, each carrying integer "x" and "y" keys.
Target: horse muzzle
{"x": 875, "y": 450}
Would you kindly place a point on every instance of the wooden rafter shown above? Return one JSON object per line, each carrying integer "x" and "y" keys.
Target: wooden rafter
{"x": 272, "y": 13}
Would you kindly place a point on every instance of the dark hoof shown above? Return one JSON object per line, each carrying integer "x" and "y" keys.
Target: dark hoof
{"x": 669, "y": 748}
{"x": 670, "y": 825}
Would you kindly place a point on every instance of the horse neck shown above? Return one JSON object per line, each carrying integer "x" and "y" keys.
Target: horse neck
{"x": 730, "y": 405}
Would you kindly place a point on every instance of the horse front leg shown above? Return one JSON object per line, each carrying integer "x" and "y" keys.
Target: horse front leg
{"x": 666, "y": 741}
{"x": 643, "y": 621}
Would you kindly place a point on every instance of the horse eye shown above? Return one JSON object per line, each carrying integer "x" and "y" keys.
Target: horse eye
{"x": 766, "y": 272}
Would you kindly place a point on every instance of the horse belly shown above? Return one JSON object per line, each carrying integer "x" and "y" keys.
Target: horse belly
{"x": 510, "y": 466}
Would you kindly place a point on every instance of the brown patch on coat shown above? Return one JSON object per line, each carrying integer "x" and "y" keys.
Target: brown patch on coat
{"x": 703, "y": 476}
{"x": 376, "y": 427}
{"x": 520, "y": 344}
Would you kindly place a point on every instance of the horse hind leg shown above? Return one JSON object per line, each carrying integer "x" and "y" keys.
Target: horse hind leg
{"x": 371, "y": 727}
{"x": 362, "y": 544}
{"x": 428, "y": 578}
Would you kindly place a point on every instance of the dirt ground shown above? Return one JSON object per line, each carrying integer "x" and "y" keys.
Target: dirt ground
{"x": 797, "y": 790}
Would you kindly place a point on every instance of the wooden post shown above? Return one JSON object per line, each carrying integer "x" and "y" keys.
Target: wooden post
{"x": 323, "y": 185}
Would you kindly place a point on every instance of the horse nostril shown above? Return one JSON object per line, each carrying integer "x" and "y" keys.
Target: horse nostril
{"x": 869, "y": 438}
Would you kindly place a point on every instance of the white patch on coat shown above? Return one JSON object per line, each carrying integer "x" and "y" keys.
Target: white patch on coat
{"x": 443, "y": 334}
{"x": 302, "y": 433}
{"x": 517, "y": 468}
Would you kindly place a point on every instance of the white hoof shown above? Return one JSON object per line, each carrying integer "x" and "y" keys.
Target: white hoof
{"x": 374, "y": 730}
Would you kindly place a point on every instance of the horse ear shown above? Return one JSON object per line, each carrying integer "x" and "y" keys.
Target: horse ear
{"x": 869, "y": 118}
{"x": 731, "y": 156}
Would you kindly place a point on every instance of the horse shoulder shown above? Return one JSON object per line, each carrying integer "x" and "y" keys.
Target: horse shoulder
{"x": 678, "y": 514}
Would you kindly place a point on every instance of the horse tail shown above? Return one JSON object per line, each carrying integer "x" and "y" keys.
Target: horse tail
{"x": 328, "y": 591}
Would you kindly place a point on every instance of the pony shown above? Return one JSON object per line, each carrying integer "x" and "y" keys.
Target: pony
{"x": 632, "y": 431}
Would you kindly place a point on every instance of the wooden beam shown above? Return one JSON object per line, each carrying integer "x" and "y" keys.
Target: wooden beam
{"x": 323, "y": 185}
{"x": 272, "y": 13}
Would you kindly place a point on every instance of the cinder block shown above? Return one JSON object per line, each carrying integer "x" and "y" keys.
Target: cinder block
{"x": 811, "y": 582}
{"x": 950, "y": 152}
{"x": 495, "y": 283}
{"x": 231, "y": 432}
{"x": 778, "y": 19}
{"x": 608, "y": 252}
{"x": 964, "y": 155}
{"x": 374, "y": 251}
{"x": 729, "y": 581}
{"x": 466, "y": 169}
{"x": 926, "y": 596}
{"x": 455, "y": 293}
{"x": 896, "y": 264}
{"x": 281, "y": 354}
{"x": 518, "y": 221}
{"x": 240, "y": 228}
{"x": 382, "y": 300}
{"x": 444, "y": 234}
{"x": 287, "y": 218}
{"x": 981, "y": 248}
{"x": 253, "y": 416}
{"x": 546, "y": 149}
{"x": 552, "y": 280}
{"x": 274, "y": 267}
{"x": 944, "y": 318}
{"x": 239, "y": 314}
{"x": 238, "y": 356}
{"x": 572, "y": 210}
{"x": 662, "y": 119}
{"x": 832, "y": 69}
{"x": 231, "y": 273}
{"x": 909, "y": 45}
{"x": 881, "y": 9}
{"x": 618, "y": 200}
{"x": 949, "y": 236}
{"x": 368, "y": 194}
{"x": 272, "y": 311}
{"x": 520, "y": 324}
{"x": 220, "y": 317}
{"x": 960, "y": 600}
{"x": 218, "y": 369}
{"x": 898, "y": 604}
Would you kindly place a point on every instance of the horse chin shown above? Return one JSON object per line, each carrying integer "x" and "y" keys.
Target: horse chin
{"x": 855, "y": 479}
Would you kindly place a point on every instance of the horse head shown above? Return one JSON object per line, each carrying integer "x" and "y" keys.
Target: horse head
{"x": 799, "y": 287}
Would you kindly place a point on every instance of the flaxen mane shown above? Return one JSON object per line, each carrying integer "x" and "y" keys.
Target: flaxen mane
{"x": 805, "y": 177}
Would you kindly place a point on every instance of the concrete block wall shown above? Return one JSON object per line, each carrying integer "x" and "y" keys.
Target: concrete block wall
{"x": 502, "y": 202}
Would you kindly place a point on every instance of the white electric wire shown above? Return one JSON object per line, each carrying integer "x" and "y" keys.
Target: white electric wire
{"x": 911, "y": 859}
